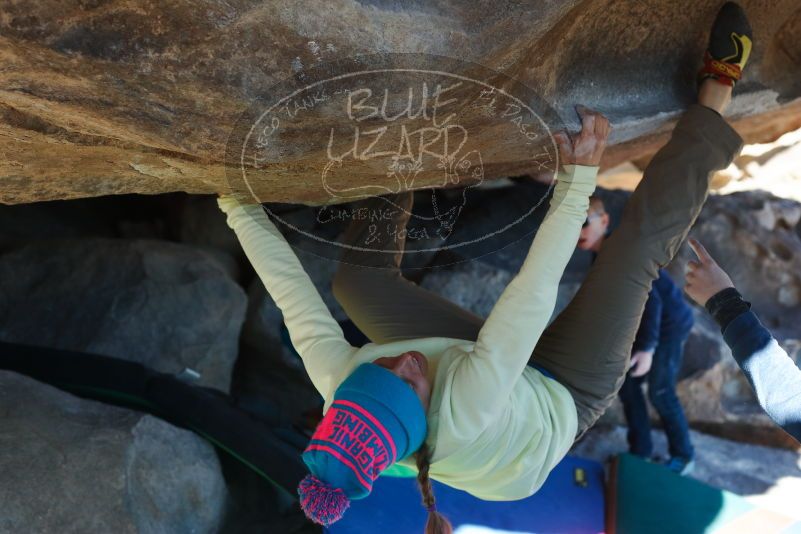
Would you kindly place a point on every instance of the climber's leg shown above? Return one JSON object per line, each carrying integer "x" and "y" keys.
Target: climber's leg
{"x": 588, "y": 346}
{"x": 375, "y": 295}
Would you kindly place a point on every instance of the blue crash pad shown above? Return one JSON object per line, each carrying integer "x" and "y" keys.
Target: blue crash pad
{"x": 561, "y": 506}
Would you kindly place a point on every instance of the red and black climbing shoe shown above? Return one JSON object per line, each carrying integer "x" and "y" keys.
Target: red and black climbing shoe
{"x": 729, "y": 46}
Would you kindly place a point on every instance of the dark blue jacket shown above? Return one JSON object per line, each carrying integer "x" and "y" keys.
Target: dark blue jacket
{"x": 667, "y": 315}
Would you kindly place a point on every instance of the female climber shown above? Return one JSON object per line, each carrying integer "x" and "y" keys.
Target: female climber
{"x": 490, "y": 407}
{"x": 379, "y": 401}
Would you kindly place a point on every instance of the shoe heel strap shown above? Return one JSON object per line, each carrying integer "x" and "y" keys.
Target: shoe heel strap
{"x": 725, "y": 73}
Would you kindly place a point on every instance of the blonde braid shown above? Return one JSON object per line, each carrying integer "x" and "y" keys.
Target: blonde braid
{"x": 436, "y": 523}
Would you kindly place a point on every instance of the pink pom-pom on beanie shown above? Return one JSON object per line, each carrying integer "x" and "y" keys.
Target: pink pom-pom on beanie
{"x": 321, "y": 502}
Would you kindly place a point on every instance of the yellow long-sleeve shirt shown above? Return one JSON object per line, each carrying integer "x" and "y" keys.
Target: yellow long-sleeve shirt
{"x": 496, "y": 425}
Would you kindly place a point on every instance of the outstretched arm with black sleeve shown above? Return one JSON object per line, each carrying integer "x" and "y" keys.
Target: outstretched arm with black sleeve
{"x": 775, "y": 377}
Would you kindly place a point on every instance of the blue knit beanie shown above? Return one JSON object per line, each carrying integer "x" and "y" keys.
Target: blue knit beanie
{"x": 375, "y": 420}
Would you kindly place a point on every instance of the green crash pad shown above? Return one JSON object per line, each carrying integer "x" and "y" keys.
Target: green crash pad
{"x": 646, "y": 498}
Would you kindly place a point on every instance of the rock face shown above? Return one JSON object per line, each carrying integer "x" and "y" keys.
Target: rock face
{"x": 161, "y": 304}
{"x": 110, "y": 97}
{"x": 73, "y": 465}
{"x": 753, "y": 237}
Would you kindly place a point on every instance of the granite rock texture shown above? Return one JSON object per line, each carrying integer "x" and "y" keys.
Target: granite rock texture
{"x": 128, "y": 96}
{"x": 165, "y": 305}
{"x": 73, "y": 465}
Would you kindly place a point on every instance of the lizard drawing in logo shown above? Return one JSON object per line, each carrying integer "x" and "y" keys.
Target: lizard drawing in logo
{"x": 406, "y": 170}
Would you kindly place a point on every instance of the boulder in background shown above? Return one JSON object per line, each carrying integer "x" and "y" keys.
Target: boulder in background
{"x": 74, "y": 466}
{"x": 165, "y": 305}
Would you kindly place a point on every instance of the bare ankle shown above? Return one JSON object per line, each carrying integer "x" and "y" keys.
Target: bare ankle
{"x": 714, "y": 95}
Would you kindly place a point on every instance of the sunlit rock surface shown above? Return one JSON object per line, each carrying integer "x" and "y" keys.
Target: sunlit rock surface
{"x": 121, "y": 96}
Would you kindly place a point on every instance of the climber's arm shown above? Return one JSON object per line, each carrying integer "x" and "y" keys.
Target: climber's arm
{"x": 775, "y": 377}
{"x": 505, "y": 343}
{"x": 315, "y": 334}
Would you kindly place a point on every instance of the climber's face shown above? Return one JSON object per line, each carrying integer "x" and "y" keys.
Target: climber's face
{"x": 412, "y": 368}
{"x": 594, "y": 229}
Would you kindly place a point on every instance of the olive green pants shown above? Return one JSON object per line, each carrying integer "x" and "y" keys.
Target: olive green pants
{"x": 588, "y": 346}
